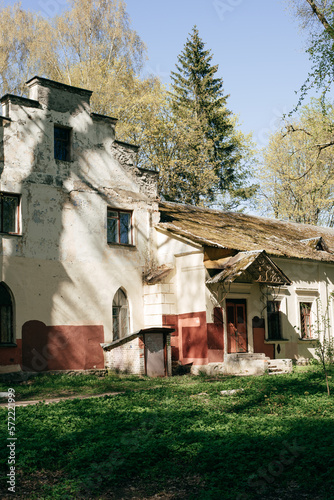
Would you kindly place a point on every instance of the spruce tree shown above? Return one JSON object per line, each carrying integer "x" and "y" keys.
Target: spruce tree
{"x": 207, "y": 163}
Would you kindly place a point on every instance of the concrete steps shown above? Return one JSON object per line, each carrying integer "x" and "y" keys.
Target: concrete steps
{"x": 248, "y": 356}
{"x": 279, "y": 366}
{"x": 244, "y": 364}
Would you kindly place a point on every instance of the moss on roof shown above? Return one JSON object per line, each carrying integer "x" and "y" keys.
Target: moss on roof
{"x": 242, "y": 232}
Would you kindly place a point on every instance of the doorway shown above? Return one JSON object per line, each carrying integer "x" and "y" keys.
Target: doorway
{"x": 155, "y": 354}
{"x": 236, "y": 326}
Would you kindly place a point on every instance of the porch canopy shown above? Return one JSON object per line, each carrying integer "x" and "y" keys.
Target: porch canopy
{"x": 248, "y": 267}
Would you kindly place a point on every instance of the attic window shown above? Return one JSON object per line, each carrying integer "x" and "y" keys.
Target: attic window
{"x": 317, "y": 243}
{"x": 62, "y": 143}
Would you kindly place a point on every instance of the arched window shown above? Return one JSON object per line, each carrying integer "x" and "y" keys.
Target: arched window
{"x": 6, "y": 316}
{"x": 120, "y": 315}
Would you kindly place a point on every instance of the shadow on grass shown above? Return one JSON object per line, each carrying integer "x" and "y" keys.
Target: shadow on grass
{"x": 159, "y": 441}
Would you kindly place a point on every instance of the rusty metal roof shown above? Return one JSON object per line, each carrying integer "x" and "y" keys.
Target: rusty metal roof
{"x": 241, "y": 233}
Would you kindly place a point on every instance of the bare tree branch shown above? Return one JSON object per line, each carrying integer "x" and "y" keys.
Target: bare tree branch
{"x": 321, "y": 17}
{"x": 291, "y": 128}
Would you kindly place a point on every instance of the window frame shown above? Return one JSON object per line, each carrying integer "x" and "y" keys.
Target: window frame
{"x": 67, "y": 142}
{"x": 306, "y": 336}
{"x": 11, "y": 329}
{"x": 311, "y": 296}
{"x": 123, "y": 328}
{"x": 274, "y": 314}
{"x": 17, "y": 197}
{"x": 118, "y": 219}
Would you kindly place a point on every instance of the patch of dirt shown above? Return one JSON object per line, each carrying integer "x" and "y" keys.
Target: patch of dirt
{"x": 33, "y": 486}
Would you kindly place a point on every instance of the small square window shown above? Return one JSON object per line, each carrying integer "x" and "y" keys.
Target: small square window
{"x": 62, "y": 143}
{"x": 9, "y": 213}
{"x": 119, "y": 227}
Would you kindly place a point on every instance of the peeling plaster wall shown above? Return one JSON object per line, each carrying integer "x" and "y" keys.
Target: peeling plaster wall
{"x": 60, "y": 269}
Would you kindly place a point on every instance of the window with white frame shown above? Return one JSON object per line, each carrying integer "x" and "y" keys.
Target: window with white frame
{"x": 119, "y": 227}
{"x": 9, "y": 213}
{"x": 120, "y": 315}
{"x": 307, "y": 314}
{"x": 305, "y": 309}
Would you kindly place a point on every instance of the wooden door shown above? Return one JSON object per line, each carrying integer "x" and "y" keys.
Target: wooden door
{"x": 236, "y": 326}
{"x": 155, "y": 355}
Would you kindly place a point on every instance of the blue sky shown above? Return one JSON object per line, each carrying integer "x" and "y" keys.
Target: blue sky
{"x": 257, "y": 45}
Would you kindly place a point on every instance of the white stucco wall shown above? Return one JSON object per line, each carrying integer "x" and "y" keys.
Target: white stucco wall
{"x": 60, "y": 269}
{"x": 187, "y": 280}
{"x": 312, "y": 281}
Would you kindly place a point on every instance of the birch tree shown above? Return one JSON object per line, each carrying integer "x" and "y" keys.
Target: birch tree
{"x": 317, "y": 19}
{"x": 91, "y": 45}
{"x": 297, "y": 172}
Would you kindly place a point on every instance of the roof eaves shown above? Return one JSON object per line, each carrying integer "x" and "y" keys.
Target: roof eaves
{"x": 171, "y": 228}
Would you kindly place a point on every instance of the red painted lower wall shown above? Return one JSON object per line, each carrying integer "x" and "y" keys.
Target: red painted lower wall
{"x": 259, "y": 337}
{"x": 216, "y": 337}
{"x": 11, "y": 355}
{"x": 194, "y": 340}
{"x": 61, "y": 347}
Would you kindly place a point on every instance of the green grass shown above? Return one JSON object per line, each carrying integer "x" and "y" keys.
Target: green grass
{"x": 46, "y": 386}
{"x": 181, "y": 439}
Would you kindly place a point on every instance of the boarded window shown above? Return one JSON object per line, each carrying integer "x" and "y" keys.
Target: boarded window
{"x": 9, "y": 213}
{"x": 306, "y": 320}
{"x": 119, "y": 227}
{"x": 62, "y": 143}
{"x": 274, "y": 320}
{"x": 6, "y": 316}
{"x": 120, "y": 315}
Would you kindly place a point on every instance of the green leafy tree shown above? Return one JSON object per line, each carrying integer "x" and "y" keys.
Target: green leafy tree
{"x": 199, "y": 151}
{"x": 297, "y": 172}
{"x": 317, "y": 19}
{"x": 90, "y": 45}
{"x": 19, "y": 47}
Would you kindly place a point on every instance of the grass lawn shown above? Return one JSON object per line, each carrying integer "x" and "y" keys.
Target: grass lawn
{"x": 175, "y": 438}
